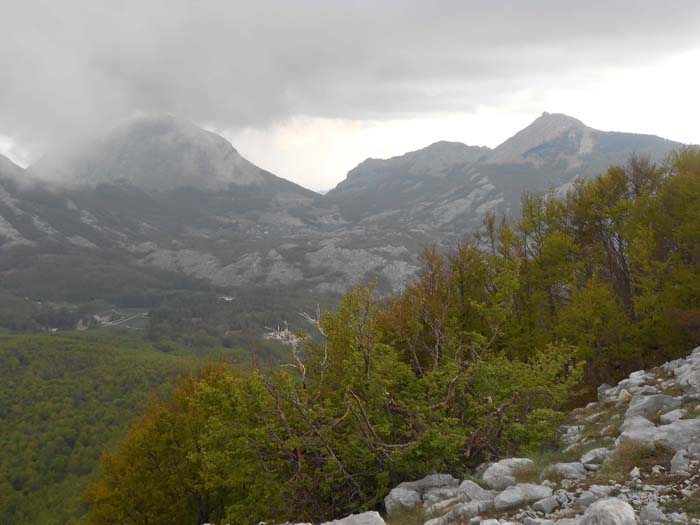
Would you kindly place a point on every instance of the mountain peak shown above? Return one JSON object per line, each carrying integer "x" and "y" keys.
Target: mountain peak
{"x": 435, "y": 160}
{"x": 545, "y": 129}
{"x": 556, "y": 121}
{"x": 155, "y": 152}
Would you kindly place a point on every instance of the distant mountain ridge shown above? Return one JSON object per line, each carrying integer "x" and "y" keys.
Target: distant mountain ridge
{"x": 451, "y": 184}
{"x": 158, "y": 194}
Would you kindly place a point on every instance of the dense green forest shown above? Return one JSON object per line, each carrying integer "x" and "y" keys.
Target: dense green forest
{"x": 64, "y": 399}
{"x": 480, "y": 357}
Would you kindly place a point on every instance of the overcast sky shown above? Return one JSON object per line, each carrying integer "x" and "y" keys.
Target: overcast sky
{"x": 309, "y": 88}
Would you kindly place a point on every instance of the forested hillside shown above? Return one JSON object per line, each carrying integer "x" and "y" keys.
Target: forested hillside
{"x": 479, "y": 357}
{"x": 66, "y": 398}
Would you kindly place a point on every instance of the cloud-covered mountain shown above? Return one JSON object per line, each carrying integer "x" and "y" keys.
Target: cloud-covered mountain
{"x": 160, "y": 152}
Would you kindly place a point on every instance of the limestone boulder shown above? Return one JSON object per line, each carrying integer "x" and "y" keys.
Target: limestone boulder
{"x": 501, "y": 475}
{"x": 687, "y": 372}
{"x": 595, "y": 458}
{"x": 401, "y": 500}
{"x": 609, "y": 511}
{"x": 673, "y": 415}
{"x": 520, "y": 495}
{"x": 651, "y": 405}
{"x": 470, "y": 491}
{"x": 546, "y": 505}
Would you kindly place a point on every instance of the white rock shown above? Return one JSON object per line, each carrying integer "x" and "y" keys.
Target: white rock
{"x": 520, "y": 495}
{"x": 673, "y": 415}
{"x": 366, "y": 518}
{"x": 605, "y": 393}
{"x": 681, "y": 434}
{"x": 595, "y": 457}
{"x": 441, "y": 506}
{"x": 600, "y": 491}
{"x": 546, "y": 505}
{"x": 651, "y": 514}
{"x": 647, "y": 390}
{"x": 438, "y": 494}
{"x": 680, "y": 463}
{"x": 609, "y": 511}
{"x": 678, "y": 435}
{"x": 650, "y": 405}
{"x": 466, "y": 511}
{"x": 401, "y": 500}
{"x": 502, "y": 474}
{"x": 479, "y": 471}
{"x": 572, "y": 434}
{"x": 687, "y": 372}
{"x": 470, "y": 491}
{"x": 585, "y": 499}
{"x": 536, "y": 521}
{"x": 635, "y": 424}
{"x": 624, "y": 396}
{"x": 569, "y": 521}
{"x": 677, "y": 517}
{"x": 574, "y": 470}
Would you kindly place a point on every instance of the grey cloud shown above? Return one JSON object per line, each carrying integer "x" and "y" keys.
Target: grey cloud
{"x": 70, "y": 67}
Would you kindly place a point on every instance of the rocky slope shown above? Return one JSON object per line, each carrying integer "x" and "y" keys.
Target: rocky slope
{"x": 633, "y": 457}
{"x": 157, "y": 194}
{"x": 169, "y": 195}
{"x": 451, "y": 186}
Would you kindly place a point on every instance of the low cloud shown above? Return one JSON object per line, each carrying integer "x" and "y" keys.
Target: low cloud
{"x": 69, "y": 68}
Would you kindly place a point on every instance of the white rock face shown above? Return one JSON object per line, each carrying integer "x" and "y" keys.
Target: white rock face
{"x": 470, "y": 491}
{"x": 595, "y": 457}
{"x": 609, "y": 511}
{"x": 687, "y": 372}
{"x": 680, "y": 463}
{"x": 546, "y": 505}
{"x": 401, "y": 500}
{"x": 438, "y": 494}
{"x": 430, "y": 490}
{"x": 519, "y": 495}
{"x": 651, "y": 514}
{"x": 650, "y": 405}
{"x": 466, "y": 511}
{"x": 502, "y": 474}
{"x": 678, "y": 435}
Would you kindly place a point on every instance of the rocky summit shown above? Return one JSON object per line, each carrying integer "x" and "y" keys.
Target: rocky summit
{"x": 632, "y": 457}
